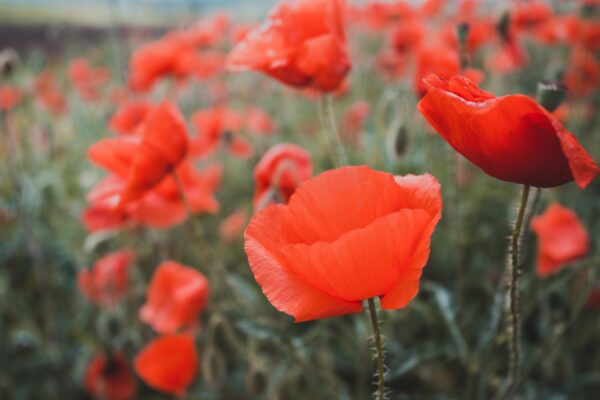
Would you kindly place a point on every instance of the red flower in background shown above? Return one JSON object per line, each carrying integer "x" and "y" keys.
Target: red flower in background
{"x": 218, "y": 126}
{"x": 354, "y": 120}
{"x": 509, "y": 57}
{"x": 302, "y": 44}
{"x": 129, "y": 117}
{"x": 175, "y": 298}
{"x": 86, "y": 79}
{"x": 562, "y": 239}
{"x": 408, "y": 35}
{"x": 161, "y": 207}
{"x": 231, "y": 228}
{"x": 49, "y": 94}
{"x": 583, "y": 73}
{"x": 435, "y": 59}
{"x": 511, "y": 138}
{"x": 144, "y": 161}
{"x": 347, "y": 235}
{"x": 279, "y": 172}
{"x": 529, "y": 15}
{"x": 110, "y": 378}
{"x": 108, "y": 281}
{"x": 9, "y": 97}
{"x": 168, "y": 364}
{"x": 259, "y": 122}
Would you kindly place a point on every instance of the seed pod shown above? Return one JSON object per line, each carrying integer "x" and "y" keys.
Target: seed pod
{"x": 213, "y": 367}
{"x": 9, "y": 61}
{"x": 550, "y": 94}
{"x": 257, "y": 380}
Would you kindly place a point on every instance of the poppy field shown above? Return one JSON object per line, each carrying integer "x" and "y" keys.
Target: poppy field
{"x": 382, "y": 199}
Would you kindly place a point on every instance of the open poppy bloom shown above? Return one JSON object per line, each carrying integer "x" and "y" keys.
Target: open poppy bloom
{"x": 218, "y": 126}
{"x": 161, "y": 207}
{"x": 108, "y": 377}
{"x": 562, "y": 239}
{"x": 511, "y": 138}
{"x": 279, "y": 172}
{"x": 168, "y": 364}
{"x": 175, "y": 298}
{"x": 129, "y": 117}
{"x": 302, "y": 44}
{"x": 347, "y": 235}
{"x": 144, "y": 161}
{"x": 108, "y": 281}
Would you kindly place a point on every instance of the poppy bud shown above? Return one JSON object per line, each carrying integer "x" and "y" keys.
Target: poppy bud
{"x": 398, "y": 139}
{"x": 9, "y": 61}
{"x": 213, "y": 367}
{"x": 550, "y": 94}
{"x": 256, "y": 380}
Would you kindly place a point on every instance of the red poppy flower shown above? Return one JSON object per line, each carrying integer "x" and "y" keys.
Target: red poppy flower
{"x": 87, "y": 79}
{"x": 435, "y": 59}
{"x": 145, "y": 161}
{"x": 559, "y": 29}
{"x": 49, "y": 94}
{"x": 259, "y": 122}
{"x": 378, "y": 15}
{"x": 583, "y": 73}
{"x": 152, "y": 61}
{"x": 511, "y": 138}
{"x": 232, "y": 227}
{"x": 562, "y": 239}
{"x": 168, "y": 364}
{"x": 129, "y": 117}
{"x": 529, "y": 15}
{"x": 9, "y": 97}
{"x": 219, "y": 126}
{"x": 280, "y": 170}
{"x": 407, "y": 36}
{"x": 347, "y": 235}
{"x": 161, "y": 207}
{"x": 302, "y": 44}
{"x": 108, "y": 281}
{"x": 110, "y": 378}
{"x": 175, "y": 298}
{"x": 510, "y": 56}
{"x": 355, "y": 117}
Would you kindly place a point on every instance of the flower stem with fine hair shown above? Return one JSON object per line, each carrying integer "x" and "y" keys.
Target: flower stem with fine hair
{"x": 380, "y": 394}
{"x": 514, "y": 307}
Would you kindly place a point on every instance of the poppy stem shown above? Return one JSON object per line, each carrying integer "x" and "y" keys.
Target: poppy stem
{"x": 336, "y": 148}
{"x": 514, "y": 311}
{"x": 380, "y": 395}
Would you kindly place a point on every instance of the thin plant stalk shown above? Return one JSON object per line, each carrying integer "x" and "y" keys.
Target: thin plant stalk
{"x": 336, "y": 148}
{"x": 514, "y": 306}
{"x": 378, "y": 342}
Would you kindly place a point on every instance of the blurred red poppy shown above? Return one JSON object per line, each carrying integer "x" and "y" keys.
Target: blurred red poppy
{"x": 529, "y": 15}
{"x": 511, "y": 138}
{"x": 583, "y": 72}
{"x": 129, "y": 117}
{"x": 231, "y": 228}
{"x": 168, "y": 364}
{"x": 49, "y": 94}
{"x": 408, "y": 35}
{"x": 108, "y": 281}
{"x": 562, "y": 239}
{"x": 143, "y": 162}
{"x": 108, "y": 377}
{"x": 175, "y": 298}
{"x": 509, "y": 57}
{"x": 279, "y": 172}
{"x": 347, "y": 235}
{"x": 218, "y": 126}
{"x": 10, "y": 96}
{"x": 86, "y": 79}
{"x": 161, "y": 207}
{"x": 302, "y": 44}
{"x": 435, "y": 59}
{"x": 354, "y": 120}
{"x": 259, "y": 122}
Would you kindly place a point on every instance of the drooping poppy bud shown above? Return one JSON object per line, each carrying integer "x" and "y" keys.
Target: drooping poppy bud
{"x": 108, "y": 377}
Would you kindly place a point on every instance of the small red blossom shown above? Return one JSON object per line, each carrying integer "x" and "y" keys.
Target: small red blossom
{"x": 219, "y": 126}
{"x": 231, "y": 228}
{"x": 86, "y": 79}
{"x": 129, "y": 117}
{"x": 108, "y": 281}
{"x": 108, "y": 377}
{"x": 175, "y": 298}
{"x": 10, "y": 97}
{"x": 168, "y": 363}
{"x": 279, "y": 172}
{"x": 562, "y": 239}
